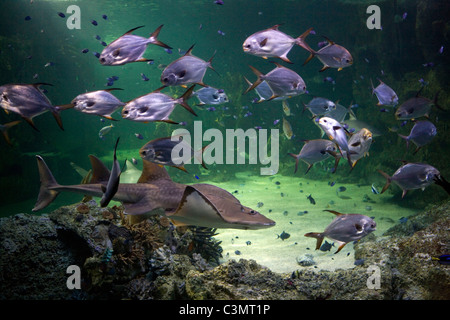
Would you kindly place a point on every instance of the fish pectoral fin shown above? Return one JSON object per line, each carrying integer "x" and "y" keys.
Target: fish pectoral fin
{"x": 325, "y": 67}
{"x": 31, "y": 123}
{"x": 263, "y": 43}
{"x": 339, "y": 69}
{"x": 340, "y": 247}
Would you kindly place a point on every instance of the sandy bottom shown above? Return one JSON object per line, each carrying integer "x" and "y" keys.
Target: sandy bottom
{"x": 286, "y": 203}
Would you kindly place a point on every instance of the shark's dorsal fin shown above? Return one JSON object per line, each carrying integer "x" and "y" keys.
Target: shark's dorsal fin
{"x": 100, "y": 173}
{"x": 152, "y": 172}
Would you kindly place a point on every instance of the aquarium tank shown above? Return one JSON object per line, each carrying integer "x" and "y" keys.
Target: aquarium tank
{"x": 224, "y": 150}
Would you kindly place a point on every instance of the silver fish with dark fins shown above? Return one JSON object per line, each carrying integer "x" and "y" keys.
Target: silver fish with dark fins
{"x": 28, "y": 101}
{"x": 101, "y": 102}
{"x": 210, "y": 96}
{"x": 129, "y": 48}
{"x": 188, "y": 69}
{"x": 411, "y": 176}
{"x": 421, "y": 134}
{"x": 113, "y": 182}
{"x": 282, "y": 81}
{"x": 155, "y": 106}
{"x": 332, "y": 56}
{"x": 319, "y": 106}
{"x": 416, "y": 107}
{"x": 314, "y": 151}
{"x": 273, "y": 43}
{"x": 385, "y": 95}
{"x": 345, "y": 228}
{"x": 336, "y": 132}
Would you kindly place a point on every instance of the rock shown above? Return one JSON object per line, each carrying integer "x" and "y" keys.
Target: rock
{"x": 306, "y": 260}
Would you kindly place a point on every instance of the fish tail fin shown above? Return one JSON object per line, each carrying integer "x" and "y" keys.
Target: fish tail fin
{"x": 318, "y": 236}
{"x": 5, "y": 129}
{"x": 56, "y": 114}
{"x": 296, "y": 160}
{"x": 406, "y": 138}
{"x": 435, "y": 101}
{"x": 257, "y": 82}
{"x": 184, "y": 98}
{"x": 300, "y": 40}
{"x": 388, "y": 180}
{"x": 210, "y": 62}
{"x": 154, "y": 38}
{"x": 311, "y": 56}
{"x": 46, "y": 195}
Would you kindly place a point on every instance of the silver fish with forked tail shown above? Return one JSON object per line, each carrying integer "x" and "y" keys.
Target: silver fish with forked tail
{"x": 129, "y": 48}
{"x": 345, "y": 228}
{"x": 332, "y": 56}
{"x": 155, "y": 106}
{"x": 28, "y": 101}
{"x": 188, "y": 69}
{"x": 273, "y": 43}
{"x": 411, "y": 176}
{"x": 314, "y": 151}
{"x": 100, "y": 102}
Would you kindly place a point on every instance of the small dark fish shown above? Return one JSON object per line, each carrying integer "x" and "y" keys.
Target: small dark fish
{"x": 96, "y": 54}
{"x": 144, "y": 77}
{"x": 113, "y": 182}
{"x": 27, "y": 18}
{"x": 359, "y": 262}
{"x": 326, "y": 246}
{"x": 402, "y": 220}
{"x": 441, "y": 49}
{"x": 442, "y": 259}
{"x": 103, "y": 43}
{"x": 139, "y": 136}
{"x": 311, "y": 199}
{"x": 86, "y": 50}
{"x": 260, "y": 204}
{"x": 332, "y": 183}
{"x": 283, "y": 236}
{"x": 237, "y": 252}
{"x": 342, "y": 189}
{"x": 94, "y": 22}
{"x": 62, "y": 15}
{"x": 248, "y": 243}
{"x": 219, "y": 2}
{"x": 104, "y": 16}
{"x": 374, "y": 189}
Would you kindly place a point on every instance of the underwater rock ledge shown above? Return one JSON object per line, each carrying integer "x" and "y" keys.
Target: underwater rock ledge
{"x": 152, "y": 260}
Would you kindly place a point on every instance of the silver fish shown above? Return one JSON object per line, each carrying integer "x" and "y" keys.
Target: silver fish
{"x": 4, "y": 129}
{"x": 336, "y": 132}
{"x": 101, "y": 103}
{"x": 211, "y": 96}
{"x": 263, "y": 90}
{"x": 332, "y": 56}
{"x": 282, "y": 81}
{"x": 421, "y": 134}
{"x": 416, "y": 107}
{"x": 319, "y": 106}
{"x": 185, "y": 70}
{"x": 273, "y": 43}
{"x": 345, "y": 228}
{"x": 113, "y": 182}
{"x": 105, "y": 130}
{"x": 386, "y": 96}
{"x": 129, "y": 48}
{"x": 314, "y": 151}
{"x": 359, "y": 144}
{"x": 28, "y": 101}
{"x": 411, "y": 176}
{"x": 160, "y": 151}
{"x": 155, "y": 106}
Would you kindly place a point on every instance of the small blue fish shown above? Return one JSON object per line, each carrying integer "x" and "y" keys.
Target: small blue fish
{"x": 144, "y": 77}
{"x": 62, "y": 15}
{"x": 139, "y": 136}
{"x": 428, "y": 64}
{"x": 27, "y": 18}
{"x": 196, "y": 177}
{"x": 219, "y": 2}
{"x": 441, "y": 50}
{"x": 403, "y": 220}
{"x": 276, "y": 122}
{"x": 169, "y": 51}
{"x": 104, "y": 16}
{"x": 104, "y": 43}
{"x": 442, "y": 259}
{"x": 94, "y": 22}
{"x": 98, "y": 37}
{"x": 221, "y": 32}
{"x": 404, "y": 15}
{"x": 332, "y": 183}
{"x": 86, "y": 50}
{"x": 96, "y": 54}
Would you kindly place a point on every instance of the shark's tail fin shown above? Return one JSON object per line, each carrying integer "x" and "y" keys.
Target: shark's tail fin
{"x": 46, "y": 194}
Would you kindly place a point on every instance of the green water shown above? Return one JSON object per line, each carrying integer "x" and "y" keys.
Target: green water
{"x": 395, "y": 54}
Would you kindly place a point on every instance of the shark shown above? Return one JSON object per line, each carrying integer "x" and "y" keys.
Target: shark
{"x": 203, "y": 205}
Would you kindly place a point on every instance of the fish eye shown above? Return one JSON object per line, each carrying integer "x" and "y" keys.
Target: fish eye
{"x": 90, "y": 103}
{"x": 125, "y": 111}
{"x": 116, "y": 53}
{"x": 182, "y": 74}
{"x": 102, "y": 60}
{"x": 143, "y": 109}
{"x": 143, "y": 152}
